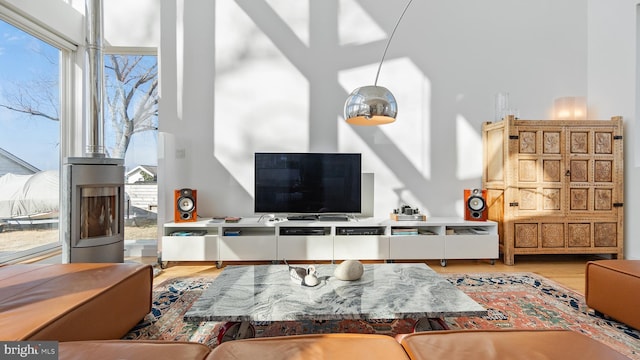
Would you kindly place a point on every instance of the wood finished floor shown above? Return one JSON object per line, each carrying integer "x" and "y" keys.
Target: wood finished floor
{"x": 567, "y": 270}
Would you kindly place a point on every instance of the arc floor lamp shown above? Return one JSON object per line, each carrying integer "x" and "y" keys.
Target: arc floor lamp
{"x": 372, "y": 104}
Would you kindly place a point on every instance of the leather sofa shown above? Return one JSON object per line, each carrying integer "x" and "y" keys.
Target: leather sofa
{"x": 132, "y": 349}
{"x": 66, "y": 302}
{"x": 505, "y": 344}
{"x": 448, "y": 344}
{"x": 613, "y": 288}
{"x": 462, "y": 344}
{"x": 89, "y": 307}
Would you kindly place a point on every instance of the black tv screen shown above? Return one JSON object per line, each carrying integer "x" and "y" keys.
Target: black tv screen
{"x": 309, "y": 183}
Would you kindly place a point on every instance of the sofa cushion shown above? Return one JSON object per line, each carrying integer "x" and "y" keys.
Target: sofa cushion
{"x": 613, "y": 288}
{"x": 505, "y": 344}
{"x": 312, "y": 347}
{"x": 129, "y": 349}
{"x": 67, "y": 302}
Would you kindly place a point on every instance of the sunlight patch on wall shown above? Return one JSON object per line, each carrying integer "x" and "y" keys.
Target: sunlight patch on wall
{"x": 355, "y": 26}
{"x": 295, "y": 14}
{"x": 410, "y": 133}
{"x": 408, "y": 139}
{"x": 389, "y": 190}
{"x": 468, "y": 150}
{"x": 261, "y": 100}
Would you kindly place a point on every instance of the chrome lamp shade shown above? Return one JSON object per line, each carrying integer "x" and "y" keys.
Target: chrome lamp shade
{"x": 370, "y": 105}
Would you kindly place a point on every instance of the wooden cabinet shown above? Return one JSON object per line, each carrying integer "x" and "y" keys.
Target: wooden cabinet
{"x": 555, "y": 186}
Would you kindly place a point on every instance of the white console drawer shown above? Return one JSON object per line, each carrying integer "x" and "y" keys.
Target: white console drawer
{"x": 312, "y": 247}
{"x": 248, "y": 247}
{"x": 471, "y": 247}
{"x": 190, "y": 248}
{"x": 416, "y": 247}
{"x": 361, "y": 247}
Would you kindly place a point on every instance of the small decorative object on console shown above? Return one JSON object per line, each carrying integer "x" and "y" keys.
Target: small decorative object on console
{"x": 349, "y": 270}
{"x": 407, "y": 213}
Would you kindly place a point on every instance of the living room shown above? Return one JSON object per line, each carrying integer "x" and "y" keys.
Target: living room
{"x": 240, "y": 77}
{"x": 427, "y": 157}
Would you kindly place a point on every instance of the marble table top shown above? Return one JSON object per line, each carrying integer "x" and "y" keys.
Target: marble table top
{"x": 385, "y": 291}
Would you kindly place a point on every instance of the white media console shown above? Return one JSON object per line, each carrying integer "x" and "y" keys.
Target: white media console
{"x": 364, "y": 239}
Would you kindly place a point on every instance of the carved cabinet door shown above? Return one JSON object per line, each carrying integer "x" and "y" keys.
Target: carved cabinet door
{"x": 538, "y": 173}
{"x": 593, "y": 190}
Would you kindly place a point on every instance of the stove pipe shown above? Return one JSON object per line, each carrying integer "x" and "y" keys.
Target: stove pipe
{"x": 94, "y": 66}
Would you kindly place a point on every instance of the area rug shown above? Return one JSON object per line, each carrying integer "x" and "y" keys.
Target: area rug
{"x": 513, "y": 301}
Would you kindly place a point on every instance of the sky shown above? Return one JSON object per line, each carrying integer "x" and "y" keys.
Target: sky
{"x": 24, "y": 62}
{"x": 22, "y": 59}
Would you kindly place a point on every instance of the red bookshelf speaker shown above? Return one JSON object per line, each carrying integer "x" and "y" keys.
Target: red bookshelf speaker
{"x": 475, "y": 204}
{"x": 185, "y": 201}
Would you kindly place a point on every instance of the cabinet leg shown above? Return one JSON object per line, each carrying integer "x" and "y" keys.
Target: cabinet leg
{"x": 508, "y": 259}
{"x": 218, "y": 264}
{"x": 492, "y": 261}
{"x": 443, "y": 262}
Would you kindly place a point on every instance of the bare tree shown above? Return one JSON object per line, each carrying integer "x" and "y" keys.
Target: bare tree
{"x": 131, "y": 98}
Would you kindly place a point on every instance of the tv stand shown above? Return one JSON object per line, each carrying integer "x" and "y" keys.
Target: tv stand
{"x": 362, "y": 239}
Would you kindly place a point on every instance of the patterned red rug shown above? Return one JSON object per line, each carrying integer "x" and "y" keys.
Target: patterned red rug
{"x": 513, "y": 300}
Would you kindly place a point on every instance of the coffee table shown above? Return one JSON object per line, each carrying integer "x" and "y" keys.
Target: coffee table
{"x": 265, "y": 293}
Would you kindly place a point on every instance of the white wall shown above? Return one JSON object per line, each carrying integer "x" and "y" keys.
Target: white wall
{"x": 612, "y": 88}
{"x": 132, "y": 24}
{"x": 245, "y": 76}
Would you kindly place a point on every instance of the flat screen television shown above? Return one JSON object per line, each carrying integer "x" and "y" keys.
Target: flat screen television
{"x": 308, "y": 183}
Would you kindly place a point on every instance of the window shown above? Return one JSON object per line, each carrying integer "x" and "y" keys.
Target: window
{"x": 29, "y": 143}
{"x": 131, "y": 132}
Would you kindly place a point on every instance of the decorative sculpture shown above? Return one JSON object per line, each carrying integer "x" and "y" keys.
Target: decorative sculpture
{"x": 349, "y": 270}
{"x": 303, "y": 276}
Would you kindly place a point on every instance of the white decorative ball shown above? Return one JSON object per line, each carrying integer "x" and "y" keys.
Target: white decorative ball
{"x": 349, "y": 270}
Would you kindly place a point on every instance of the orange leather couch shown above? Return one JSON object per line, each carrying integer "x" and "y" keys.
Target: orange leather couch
{"x": 320, "y": 346}
{"x": 455, "y": 345}
{"x": 66, "y": 302}
{"x": 132, "y": 349}
{"x": 613, "y": 288}
{"x": 505, "y": 344}
{"x": 450, "y": 344}
{"x": 80, "y": 305}
{"x": 299, "y": 347}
